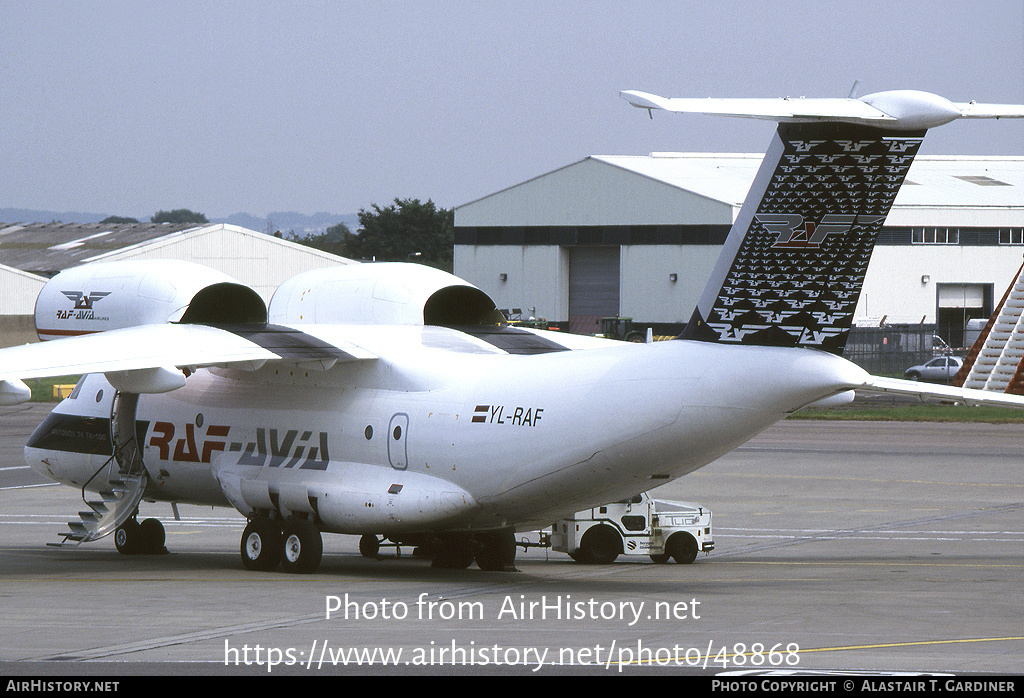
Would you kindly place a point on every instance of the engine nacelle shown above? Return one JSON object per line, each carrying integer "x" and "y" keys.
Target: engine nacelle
{"x": 111, "y": 295}
{"x": 387, "y": 293}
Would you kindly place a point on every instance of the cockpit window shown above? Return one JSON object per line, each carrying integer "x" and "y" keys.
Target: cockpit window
{"x": 77, "y": 390}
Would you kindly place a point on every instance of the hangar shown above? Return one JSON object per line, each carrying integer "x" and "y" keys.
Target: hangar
{"x": 637, "y": 236}
{"x": 31, "y": 253}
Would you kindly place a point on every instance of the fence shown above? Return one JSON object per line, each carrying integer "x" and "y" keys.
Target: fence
{"x": 891, "y": 349}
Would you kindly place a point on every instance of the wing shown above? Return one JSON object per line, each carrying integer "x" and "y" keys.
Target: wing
{"x": 948, "y": 393}
{"x": 151, "y": 358}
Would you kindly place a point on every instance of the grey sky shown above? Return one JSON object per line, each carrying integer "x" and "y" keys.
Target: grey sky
{"x": 126, "y": 107}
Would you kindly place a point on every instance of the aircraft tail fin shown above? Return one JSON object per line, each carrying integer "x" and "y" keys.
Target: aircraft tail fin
{"x": 793, "y": 265}
{"x": 791, "y": 270}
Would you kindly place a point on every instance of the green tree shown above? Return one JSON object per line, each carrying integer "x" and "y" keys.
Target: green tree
{"x": 115, "y": 220}
{"x": 406, "y": 231}
{"x": 179, "y": 216}
{"x": 333, "y": 240}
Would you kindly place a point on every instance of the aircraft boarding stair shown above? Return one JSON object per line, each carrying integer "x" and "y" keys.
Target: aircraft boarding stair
{"x": 125, "y": 476}
{"x": 995, "y": 361}
{"x": 108, "y": 508}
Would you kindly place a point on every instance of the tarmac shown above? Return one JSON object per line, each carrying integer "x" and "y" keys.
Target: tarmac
{"x": 848, "y": 547}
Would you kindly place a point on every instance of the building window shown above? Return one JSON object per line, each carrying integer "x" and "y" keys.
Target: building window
{"x": 1011, "y": 236}
{"x": 935, "y": 236}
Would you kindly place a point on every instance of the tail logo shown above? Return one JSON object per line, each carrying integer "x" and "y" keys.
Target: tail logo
{"x": 794, "y": 231}
{"x": 796, "y": 274}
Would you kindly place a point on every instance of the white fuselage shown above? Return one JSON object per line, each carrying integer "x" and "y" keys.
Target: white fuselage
{"x": 441, "y": 432}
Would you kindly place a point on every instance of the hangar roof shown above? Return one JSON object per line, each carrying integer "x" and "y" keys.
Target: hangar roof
{"x": 938, "y": 183}
{"x": 47, "y": 248}
{"x": 937, "y": 180}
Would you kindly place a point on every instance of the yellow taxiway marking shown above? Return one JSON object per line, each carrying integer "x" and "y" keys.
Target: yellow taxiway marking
{"x": 890, "y": 645}
{"x": 724, "y": 657}
{"x": 849, "y": 478}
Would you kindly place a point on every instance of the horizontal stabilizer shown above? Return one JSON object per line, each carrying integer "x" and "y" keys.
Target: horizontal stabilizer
{"x": 897, "y": 110}
{"x": 973, "y": 110}
{"x": 758, "y": 108}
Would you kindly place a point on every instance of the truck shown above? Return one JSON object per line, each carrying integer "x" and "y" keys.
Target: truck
{"x": 639, "y": 525}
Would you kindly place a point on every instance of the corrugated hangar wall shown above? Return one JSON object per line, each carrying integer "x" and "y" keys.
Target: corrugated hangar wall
{"x": 520, "y": 245}
{"x": 18, "y": 290}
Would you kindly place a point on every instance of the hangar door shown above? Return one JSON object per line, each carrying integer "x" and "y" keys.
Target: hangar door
{"x": 593, "y": 287}
{"x": 958, "y": 303}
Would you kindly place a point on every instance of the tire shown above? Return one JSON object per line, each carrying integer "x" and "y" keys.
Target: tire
{"x": 127, "y": 538}
{"x": 453, "y": 552}
{"x": 302, "y": 547}
{"x": 369, "y": 546}
{"x": 152, "y": 536}
{"x": 662, "y": 558}
{"x": 497, "y": 550}
{"x": 914, "y": 376}
{"x": 600, "y": 545}
{"x": 682, "y": 547}
{"x": 261, "y": 545}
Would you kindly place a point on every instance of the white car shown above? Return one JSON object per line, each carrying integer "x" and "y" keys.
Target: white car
{"x": 940, "y": 370}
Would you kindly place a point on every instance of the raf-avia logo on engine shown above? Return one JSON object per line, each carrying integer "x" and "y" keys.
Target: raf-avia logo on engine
{"x": 83, "y": 308}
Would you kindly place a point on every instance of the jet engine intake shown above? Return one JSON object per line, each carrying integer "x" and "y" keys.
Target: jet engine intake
{"x": 112, "y": 295}
{"x": 381, "y": 293}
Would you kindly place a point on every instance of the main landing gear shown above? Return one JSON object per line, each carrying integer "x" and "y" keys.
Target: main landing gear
{"x": 296, "y": 545}
{"x": 492, "y": 550}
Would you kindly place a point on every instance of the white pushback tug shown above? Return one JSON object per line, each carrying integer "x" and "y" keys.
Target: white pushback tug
{"x": 639, "y": 525}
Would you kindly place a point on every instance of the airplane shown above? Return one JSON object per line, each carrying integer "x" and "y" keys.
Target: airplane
{"x": 392, "y": 399}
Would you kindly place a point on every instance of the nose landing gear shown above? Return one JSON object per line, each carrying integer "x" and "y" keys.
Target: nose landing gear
{"x": 145, "y": 538}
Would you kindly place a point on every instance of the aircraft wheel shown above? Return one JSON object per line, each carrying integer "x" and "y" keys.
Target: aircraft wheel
{"x": 127, "y": 537}
{"x": 261, "y": 545}
{"x": 369, "y": 546}
{"x": 454, "y": 552}
{"x": 152, "y": 536}
{"x": 683, "y": 548}
{"x": 497, "y": 551}
{"x": 303, "y": 547}
{"x": 600, "y": 545}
